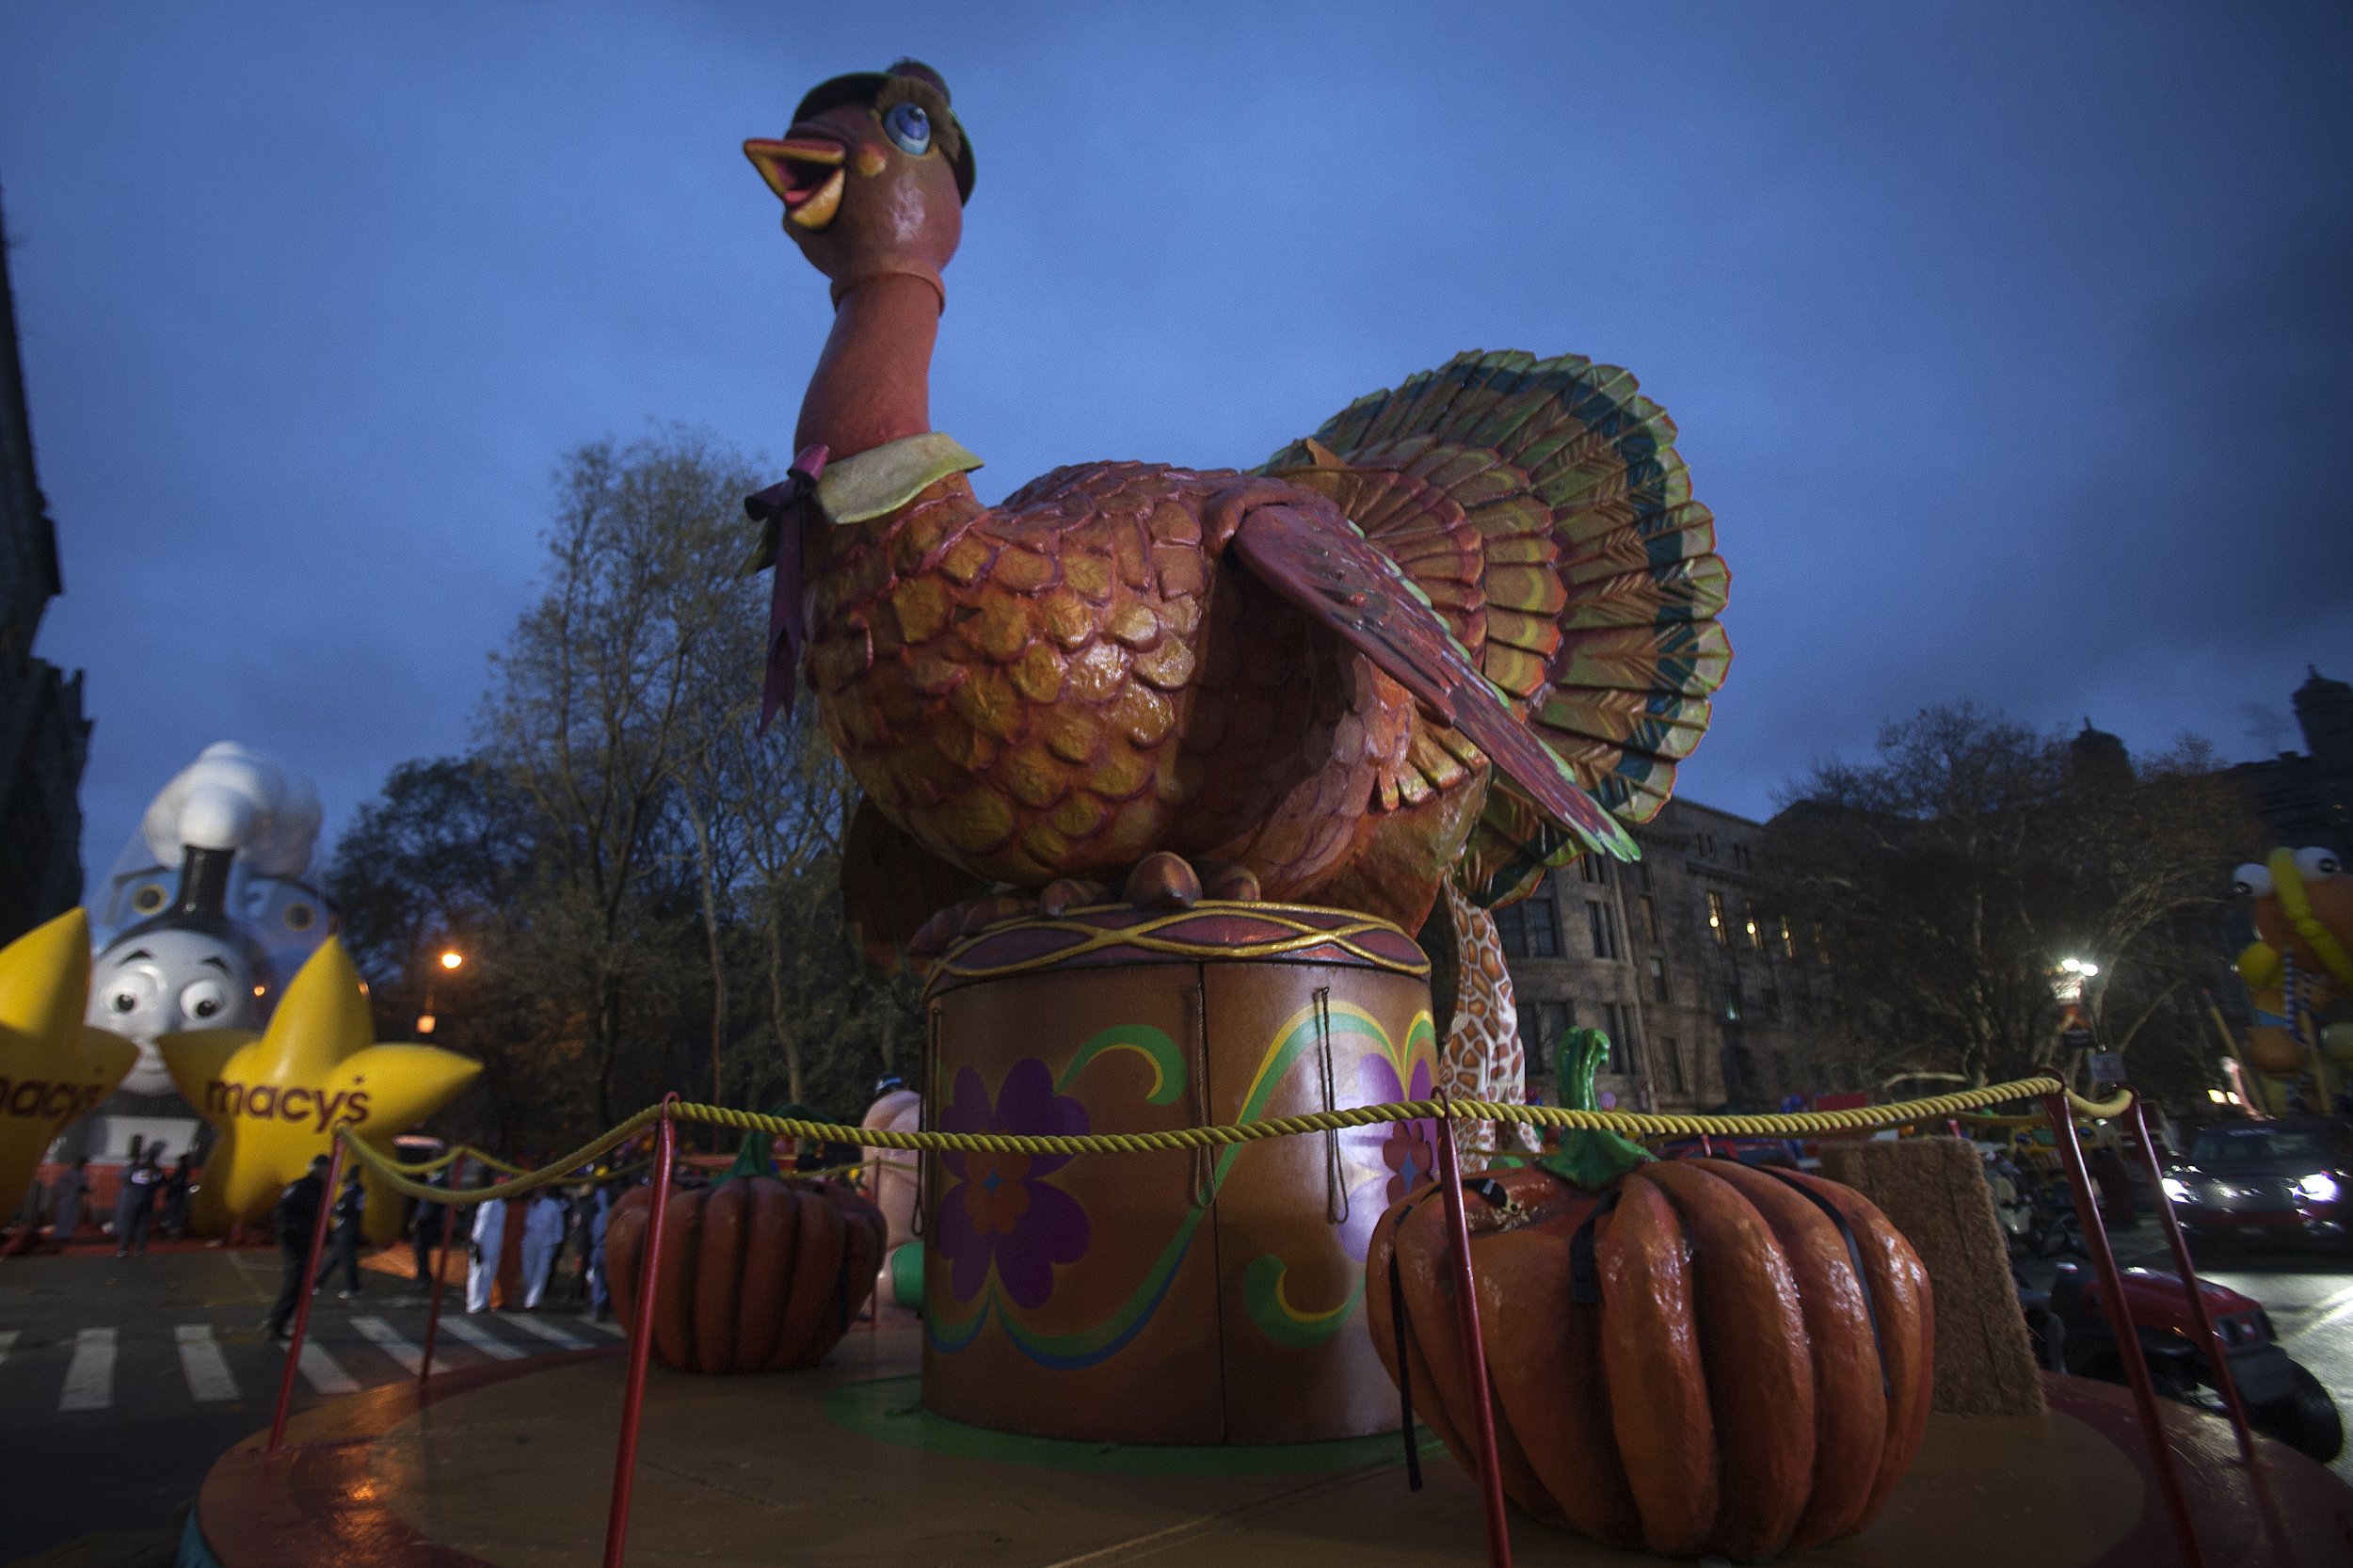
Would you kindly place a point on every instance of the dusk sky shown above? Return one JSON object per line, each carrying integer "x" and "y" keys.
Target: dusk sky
{"x": 2012, "y": 345}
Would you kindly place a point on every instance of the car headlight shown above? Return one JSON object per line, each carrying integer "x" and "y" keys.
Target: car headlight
{"x": 2175, "y": 1188}
{"x": 2320, "y": 1187}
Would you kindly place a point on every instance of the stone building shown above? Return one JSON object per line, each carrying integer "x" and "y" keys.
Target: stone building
{"x": 43, "y": 737}
{"x": 1705, "y": 992}
{"x": 2306, "y": 798}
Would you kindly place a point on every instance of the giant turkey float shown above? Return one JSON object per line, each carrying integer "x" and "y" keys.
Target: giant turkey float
{"x": 1192, "y": 794}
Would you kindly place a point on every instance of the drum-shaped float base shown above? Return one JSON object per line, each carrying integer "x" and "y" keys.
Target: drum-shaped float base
{"x": 1170, "y": 1296}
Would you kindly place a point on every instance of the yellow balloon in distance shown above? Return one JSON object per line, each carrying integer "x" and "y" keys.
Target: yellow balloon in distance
{"x": 277, "y": 1098}
{"x": 54, "y": 1068}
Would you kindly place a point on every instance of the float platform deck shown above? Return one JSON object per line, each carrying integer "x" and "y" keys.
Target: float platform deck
{"x": 839, "y": 1467}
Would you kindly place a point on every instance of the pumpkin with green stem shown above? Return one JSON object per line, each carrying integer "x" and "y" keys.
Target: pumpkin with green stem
{"x": 1685, "y": 1356}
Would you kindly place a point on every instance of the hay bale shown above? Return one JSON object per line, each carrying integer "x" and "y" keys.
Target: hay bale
{"x": 1934, "y": 1190}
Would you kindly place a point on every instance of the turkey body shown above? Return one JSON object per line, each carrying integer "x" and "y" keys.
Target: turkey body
{"x": 1065, "y": 683}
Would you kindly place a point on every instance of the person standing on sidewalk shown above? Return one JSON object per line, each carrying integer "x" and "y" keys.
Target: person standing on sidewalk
{"x": 135, "y": 1202}
{"x": 296, "y": 1215}
{"x": 543, "y": 1233}
{"x": 600, "y": 1291}
{"x": 65, "y": 1211}
{"x": 344, "y": 1251}
{"x": 489, "y": 1244}
{"x": 176, "y": 1189}
{"x": 426, "y": 1227}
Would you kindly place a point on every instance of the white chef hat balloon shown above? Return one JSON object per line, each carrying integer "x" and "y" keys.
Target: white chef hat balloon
{"x": 236, "y": 799}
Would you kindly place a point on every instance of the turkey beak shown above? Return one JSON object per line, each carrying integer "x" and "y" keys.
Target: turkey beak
{"x": 805, "y": 173}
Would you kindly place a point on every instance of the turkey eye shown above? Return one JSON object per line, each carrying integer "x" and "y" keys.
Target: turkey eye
{"x": 910, "y": 127}
{"x": 2251, "y": 881}
{"x": 2316, "y": 862}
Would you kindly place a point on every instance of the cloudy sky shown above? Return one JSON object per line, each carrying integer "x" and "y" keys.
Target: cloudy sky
{"x": 2010, "y": 343}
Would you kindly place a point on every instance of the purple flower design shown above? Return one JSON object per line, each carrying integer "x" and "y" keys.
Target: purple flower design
{"x": 996, "y": 1211}
{"x": 1392, "y": 1158}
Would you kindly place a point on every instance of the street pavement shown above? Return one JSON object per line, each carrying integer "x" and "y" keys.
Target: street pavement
{"x": 122, "y": 1380}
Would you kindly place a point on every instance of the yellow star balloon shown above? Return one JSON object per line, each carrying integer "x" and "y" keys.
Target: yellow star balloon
{"x": 277, "y": 1098}
{"x": 53, "y": 1067}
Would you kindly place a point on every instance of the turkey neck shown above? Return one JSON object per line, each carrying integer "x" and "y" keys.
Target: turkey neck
{"x": 872, "y": 383}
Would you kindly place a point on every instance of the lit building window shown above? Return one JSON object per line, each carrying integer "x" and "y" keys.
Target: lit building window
{"x": 1716, "y": 919}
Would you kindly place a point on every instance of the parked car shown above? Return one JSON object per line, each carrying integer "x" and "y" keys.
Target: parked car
{"x": 2073, "y": 1334}
{"x": 2289, "y": 1180}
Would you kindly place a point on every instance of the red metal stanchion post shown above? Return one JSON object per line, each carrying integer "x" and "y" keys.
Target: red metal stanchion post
{"x": 2217, "y": 1357}
{"x": 640, "y": 1341}
{"x": 302, "y": 1303}
{"x": 440, "y": 1269}
{"x": 2207, "y": 1333}
{"x": 2071, "y": 1152}
{"x": 1474, "y": 1344}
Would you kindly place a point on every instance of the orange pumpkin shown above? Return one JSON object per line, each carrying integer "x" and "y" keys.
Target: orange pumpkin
{"x": 758, "y": 1274}
{"x": 1689, "y": 1356}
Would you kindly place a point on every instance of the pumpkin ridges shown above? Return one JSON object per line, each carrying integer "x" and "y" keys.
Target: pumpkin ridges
{"x": 718, "y": 1272}
{"x": 624, "y": 1233}
{"x": 1650, "y": 1352}
{"x": 1906, "y": 1317}
{"x": 1550, "y": 1342}
{"x": 1851, "y": 1405}
{"x": 1427, "y": 1407}
{"x": 768, "y": 1248}
{"x": 1751, "y": 1327}
{"x": 674, "y": 1291}
{"x": 815, "y": 1260}
{"x": 1432, "y": 1325}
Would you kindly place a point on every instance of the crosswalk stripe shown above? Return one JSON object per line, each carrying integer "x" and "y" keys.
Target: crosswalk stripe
{"x": 7, "y": 1342}
{"x": 545, "y": 1330}
{"x": 387, "y": 1338}
{"x": 89, "y": 1378}
{"x": 207, "y": 1369}
{"x": 606, "y": 1325}
{"x": 324, "y": 1372}
{"x": 481, "y": 1339}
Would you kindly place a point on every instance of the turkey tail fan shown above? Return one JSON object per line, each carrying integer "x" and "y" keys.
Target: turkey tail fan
{"x": 1541, "y": 505}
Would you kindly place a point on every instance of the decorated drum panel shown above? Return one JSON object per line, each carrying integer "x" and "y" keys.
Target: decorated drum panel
{"x": 1170, "y": 1296}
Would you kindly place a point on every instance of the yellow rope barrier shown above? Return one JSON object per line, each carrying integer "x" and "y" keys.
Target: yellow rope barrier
{"x": 546, "y": 1176}
{"x": 1636, "y": 1125}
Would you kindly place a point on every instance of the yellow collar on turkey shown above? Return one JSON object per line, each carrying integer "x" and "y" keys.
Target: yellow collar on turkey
{"x": 882, "y": 479}
{"x": 2297, "y": 905}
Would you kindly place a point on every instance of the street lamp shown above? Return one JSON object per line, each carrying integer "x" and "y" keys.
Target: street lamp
{"x": 2072, "y": 975}
{"x": 451, "y": 961}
